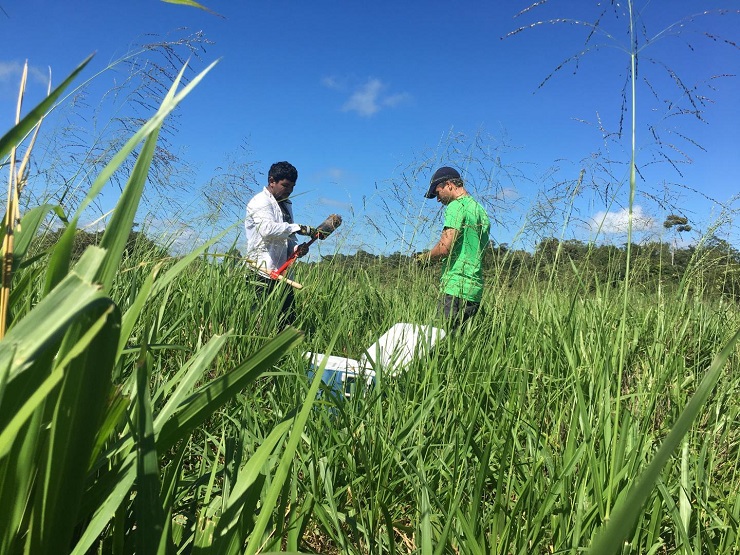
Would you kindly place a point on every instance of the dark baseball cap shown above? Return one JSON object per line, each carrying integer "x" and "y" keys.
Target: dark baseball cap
{"x": 440, "y": 176}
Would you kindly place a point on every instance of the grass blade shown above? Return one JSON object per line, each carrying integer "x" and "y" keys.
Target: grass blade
{"x": 29, "y": 227}
{"x": 73, "y": 428}
{"x": 118, "y": 229}
{"x": 194, "y": 409}
{"x": 60, "y": 259}
{"x": 151, "y": 528}
{"x": 628, "y": 510}
{"x": 286, "y": 460}
{"x": 14, "y": 137}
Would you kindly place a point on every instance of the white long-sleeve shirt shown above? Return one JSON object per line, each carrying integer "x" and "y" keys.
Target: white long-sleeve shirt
{"x": 270, "y": 239}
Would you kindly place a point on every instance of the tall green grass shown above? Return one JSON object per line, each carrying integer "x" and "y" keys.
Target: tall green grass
{"x": 508, "y": 439}
{"x": 149, "y": 404}
{"x": 505, "y": 440}
{"x": 95, "y": 415}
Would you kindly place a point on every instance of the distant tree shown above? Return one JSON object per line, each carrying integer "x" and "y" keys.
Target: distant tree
{"x": 363, "y": 257}
{"x": 137, "y": 242}
{"x": 547, "y": 249}
{"x": 678, "y": 224}
{"x": 574, "y": 249}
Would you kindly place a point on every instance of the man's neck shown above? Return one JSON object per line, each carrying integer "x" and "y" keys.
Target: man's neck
{"x": 459, "y": 193}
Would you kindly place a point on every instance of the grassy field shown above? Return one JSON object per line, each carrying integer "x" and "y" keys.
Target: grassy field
{"x": 520, "y": 435}
{"x": 148, "y": 406}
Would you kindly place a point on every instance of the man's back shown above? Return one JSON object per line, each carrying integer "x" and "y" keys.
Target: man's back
{"x": 463, "y": 274}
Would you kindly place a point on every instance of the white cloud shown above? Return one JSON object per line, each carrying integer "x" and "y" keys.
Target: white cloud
{"x": 10, "y": 72}
{"x": 364, "y": 100}
{"x": 179, "y": 237}
{"x": 333, "y": 175}
{"x": 616, "y": 222}
{"x": 38, "y": 75}
{"x": 367, "y": 98}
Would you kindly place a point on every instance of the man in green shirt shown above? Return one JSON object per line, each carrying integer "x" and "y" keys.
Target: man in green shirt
{"x": 463, "y": 242}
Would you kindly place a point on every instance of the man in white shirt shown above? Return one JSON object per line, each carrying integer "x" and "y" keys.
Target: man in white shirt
{"x": 271, "y": 231}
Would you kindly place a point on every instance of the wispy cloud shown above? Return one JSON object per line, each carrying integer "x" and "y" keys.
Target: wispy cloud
{"x": 507, "y": 193}
{"x": 395, "y": 99}
{"x": 616, "y": 222}
{"x": 341, "y": 181}
{"x": 367, "y": 98}
{"x": 334, "y": 175}
{"x": 10, "y": 72}
{"x": 335, "y": 203}
{"x": 332, "y": 82}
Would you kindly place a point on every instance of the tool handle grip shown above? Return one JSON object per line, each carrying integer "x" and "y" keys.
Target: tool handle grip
{"x": 292, "y": 258}
{"x": 262, "y": 272}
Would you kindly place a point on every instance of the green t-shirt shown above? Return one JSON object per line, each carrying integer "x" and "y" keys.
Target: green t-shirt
{"x": 463, "y": 273}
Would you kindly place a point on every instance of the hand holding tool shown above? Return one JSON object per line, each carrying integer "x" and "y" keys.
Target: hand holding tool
{"x": 307, "y": 230}
{"x": 326, "y": 228}
{"x": 301, "y": 250}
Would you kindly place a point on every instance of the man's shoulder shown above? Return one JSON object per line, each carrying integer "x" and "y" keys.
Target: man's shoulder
{"x": 259, "y": 199}
{"x": 465, "y": 209}
{"x": 472, "y": 205}
{"x": 457, "y": 206}
{"x": 462, "y": 202}
{"x": 470, "y": 201}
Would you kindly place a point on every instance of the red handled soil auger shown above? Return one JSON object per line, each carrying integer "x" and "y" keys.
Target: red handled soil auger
{"x": 326, "y": 228}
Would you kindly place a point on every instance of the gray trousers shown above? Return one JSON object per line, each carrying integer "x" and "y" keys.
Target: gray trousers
{"x": 264, "y": 287}
{"x": 456, "y": 310}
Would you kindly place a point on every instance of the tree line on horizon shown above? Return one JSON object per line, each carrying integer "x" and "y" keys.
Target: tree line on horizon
{"x": 712, "y": 265}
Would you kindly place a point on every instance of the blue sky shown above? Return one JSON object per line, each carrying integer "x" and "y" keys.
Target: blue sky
{"x": 367, "y": 99}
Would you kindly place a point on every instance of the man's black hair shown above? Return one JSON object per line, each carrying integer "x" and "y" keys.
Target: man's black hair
{"x": 282, "y": 170}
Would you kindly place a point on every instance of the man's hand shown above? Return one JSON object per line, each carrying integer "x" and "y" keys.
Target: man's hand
{"x": 422, "y": 258}
{"x": 307, "y": 230}
{"x": 301, "y": 250}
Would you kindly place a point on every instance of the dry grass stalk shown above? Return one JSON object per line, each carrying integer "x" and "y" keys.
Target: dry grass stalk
{"x": 16, "y": 181}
